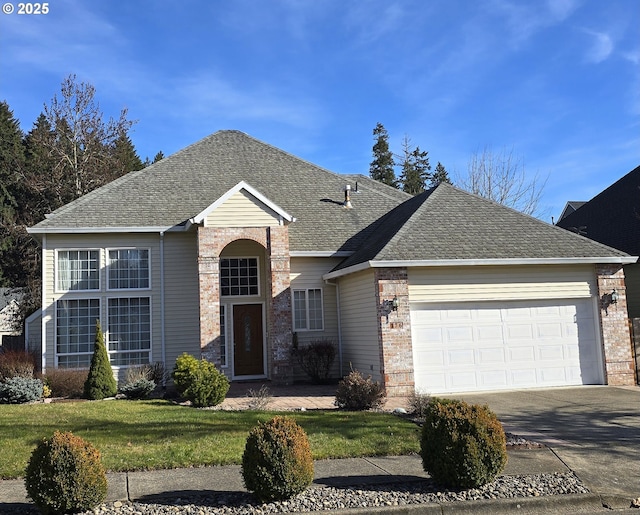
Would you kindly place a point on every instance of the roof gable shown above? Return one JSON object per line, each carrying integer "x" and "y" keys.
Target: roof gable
{"x": 244, "y": 199}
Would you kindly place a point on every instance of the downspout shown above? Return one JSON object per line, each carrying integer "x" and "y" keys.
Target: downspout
{"x": 162, "y": 316}
{"x": 43, "y": 325}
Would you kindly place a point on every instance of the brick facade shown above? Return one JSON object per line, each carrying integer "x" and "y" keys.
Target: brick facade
{"x": 275, "y": 240}
{"x": 614, "y": 326}
{"x": 394, "y": 332}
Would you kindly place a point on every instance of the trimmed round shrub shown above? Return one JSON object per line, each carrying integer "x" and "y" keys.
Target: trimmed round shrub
{"x": 357, "y": 393}
{"x": 463, "y": 445}
{"x": 19, "y": 390}
{"x": 138, "y": 389}
{"x": 65, "y": 475}
{"x": 277, "y": 462}
{"x": 199, "y": 381}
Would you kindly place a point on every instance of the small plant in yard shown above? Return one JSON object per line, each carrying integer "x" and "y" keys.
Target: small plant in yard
{"x": 100, "y": 381}
{"x": 277, "y": 462}
{"x": 66, "y": 382}
{"x": 20, "y": 390}
{"x": 138, "y": 389}
{"x": 65, "y": 475}
{"x": 199, "y": 381}
{"x": 357, "y": 393}
{"x": 16, "y": 364}
{"x": 259, "y": 399}
{"x": 418, "y": 403}
{"x": 315, "y": 359}
{"x": 462, "y": 445}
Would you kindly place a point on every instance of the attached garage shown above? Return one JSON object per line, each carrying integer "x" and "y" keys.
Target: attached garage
{"x": 493, "y": 346}
{"x": 482, "y": 343}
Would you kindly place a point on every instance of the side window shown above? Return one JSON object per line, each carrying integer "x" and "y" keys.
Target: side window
{"x": 128, "y": 269}
{"x": 307, "y": 310}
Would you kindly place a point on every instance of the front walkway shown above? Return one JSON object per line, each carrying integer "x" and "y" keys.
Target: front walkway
{"x": 289, "y": 398}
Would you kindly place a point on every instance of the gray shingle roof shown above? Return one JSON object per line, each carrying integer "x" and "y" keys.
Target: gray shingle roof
{"x": 449, "y": 224}
{"x": 170, "y": 192}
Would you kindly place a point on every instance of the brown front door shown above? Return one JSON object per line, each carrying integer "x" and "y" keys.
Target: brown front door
{"x": 248, "y": 352}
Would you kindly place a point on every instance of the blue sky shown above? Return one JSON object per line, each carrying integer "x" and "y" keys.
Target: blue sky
{"x": 558, "y": 82}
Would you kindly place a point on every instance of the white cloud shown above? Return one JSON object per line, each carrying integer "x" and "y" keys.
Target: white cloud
{"x": 601, "y": 46}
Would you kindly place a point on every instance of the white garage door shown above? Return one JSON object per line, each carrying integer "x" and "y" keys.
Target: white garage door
{"x": 494, "y": 346}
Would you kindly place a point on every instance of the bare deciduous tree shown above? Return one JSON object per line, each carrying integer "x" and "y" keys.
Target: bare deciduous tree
{"x": 501, "y": 177}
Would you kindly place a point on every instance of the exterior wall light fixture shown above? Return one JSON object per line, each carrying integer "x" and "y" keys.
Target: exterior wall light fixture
{"x": 614, "y": 296}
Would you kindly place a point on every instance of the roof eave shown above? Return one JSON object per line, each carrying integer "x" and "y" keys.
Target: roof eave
{"x": 87, "y": 230}
{"x": 622, "y": 260}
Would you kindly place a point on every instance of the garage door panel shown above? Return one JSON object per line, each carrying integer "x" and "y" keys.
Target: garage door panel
{"x": 514, "y": 344}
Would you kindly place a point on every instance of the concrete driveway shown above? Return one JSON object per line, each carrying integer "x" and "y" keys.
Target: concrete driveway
{"x": 594, "y": 430}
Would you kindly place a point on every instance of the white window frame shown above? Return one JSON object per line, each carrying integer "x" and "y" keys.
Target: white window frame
{"x": 254, "y": 295}
{"x": 108, "y": 267}
{"x": 57, "y": 269}
{"x": 110, "y": 334}
{"x": 306, "y": 321}
{"x": 91, "y": 332}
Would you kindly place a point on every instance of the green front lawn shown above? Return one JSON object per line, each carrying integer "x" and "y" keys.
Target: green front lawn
{"x": 138, "y": 435}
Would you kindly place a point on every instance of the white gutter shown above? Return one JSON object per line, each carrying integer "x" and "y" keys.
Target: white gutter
{"x": 86, "y": 230}
{"x": 623, "y": 260}
{"x": 162, "y": 307}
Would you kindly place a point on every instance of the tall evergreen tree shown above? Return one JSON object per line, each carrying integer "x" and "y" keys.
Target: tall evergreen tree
{"x": 158, "y": 157}
{"x": 381, "y": 168}
{"x": 125, "y": 156}
{"x": 439, "y": 175}
{"x": 415, "y": 168}
{"x": 11, "y": 166}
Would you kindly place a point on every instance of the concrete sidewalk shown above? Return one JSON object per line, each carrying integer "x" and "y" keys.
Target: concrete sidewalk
{"x": 592, "y": 431}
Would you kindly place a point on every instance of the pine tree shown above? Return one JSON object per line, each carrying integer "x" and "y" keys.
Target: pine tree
{"x": 439, "y": 175}
{"x": 100, "y": 382}
{"x": 415, "y": 168}
{"x": 158, "y": 157}
{"x": 381, "y": 168}
{"x": 125, "y": 156}
{"x": 11, "y": 167}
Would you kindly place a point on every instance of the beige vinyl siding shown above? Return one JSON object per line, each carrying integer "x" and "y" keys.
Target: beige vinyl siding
{"x": 358, "y": 316}
{"x": 182, "y": 296}
{"x": 632, "y": 283}
{"x": 33, "y": 334}
{"x": 242, "y": 210}
{"x": 306, "y": 273}
{"x": 486, "y": 283}
{"x": 102, "y": 242}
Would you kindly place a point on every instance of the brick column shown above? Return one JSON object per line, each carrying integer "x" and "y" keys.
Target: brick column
{"x": 279, "y": 321}
{"x": 394, "y": 334}
{"x": 209, "y": 280}
{"x": 614, "y": 324}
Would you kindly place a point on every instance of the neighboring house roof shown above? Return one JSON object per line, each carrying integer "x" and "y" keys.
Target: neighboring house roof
{"x": 572, "y": 205}
{"x": 9, "y": 296}
{"x": 167, "y": 194}
{"x": 446, "y": 226}
{"x": 612, "y": 217}
{"x": 9, "y": 308}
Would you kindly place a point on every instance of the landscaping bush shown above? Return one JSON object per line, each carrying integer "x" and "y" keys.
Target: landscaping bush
{"x": 65, "y": 475}
{"x": 462, "y": 445}
{"x": 16, "y": 364}
{"x": 419, "y": 403}
{"x": 66, "y": 382}
{"x": 356, "y": 393}
{"x": 315, "y": 359}
{"x": 100, "y": 381}
{"x": 199, "y": 381}
{"x": 138, "y": 389}
{"x": 277, "y": 462}
{"x": 18, "y": 390}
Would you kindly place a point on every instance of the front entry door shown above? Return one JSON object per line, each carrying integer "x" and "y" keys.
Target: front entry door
{"x": 248, "y": 352}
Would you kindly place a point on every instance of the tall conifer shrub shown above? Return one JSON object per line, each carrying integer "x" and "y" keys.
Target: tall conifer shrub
{"x": 100, "y": 382}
